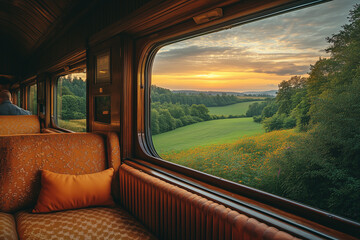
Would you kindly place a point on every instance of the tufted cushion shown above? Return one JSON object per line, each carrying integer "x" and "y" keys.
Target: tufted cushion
{"x": 21, "y": 124}
{"x": 90, "y": 223}
{"x": 7, "y": 227}
{"x": 22, "y": 156}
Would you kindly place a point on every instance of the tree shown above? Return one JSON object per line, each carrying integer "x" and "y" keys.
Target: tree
{"x": 322, "y": 168}
{"x": 154, "y": 120}
{"x": 166, "y": 121}
{"x": 73, "y": 107}
{"x": 200, "y": 111}
{"x": 286, "y": 93}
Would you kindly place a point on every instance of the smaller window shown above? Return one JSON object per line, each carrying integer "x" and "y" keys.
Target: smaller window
{"x": 32, "y": 99}
{"x": 70, "y": 102}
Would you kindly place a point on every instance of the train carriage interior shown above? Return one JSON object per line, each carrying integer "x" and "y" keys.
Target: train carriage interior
{"x": 179, "y": 119}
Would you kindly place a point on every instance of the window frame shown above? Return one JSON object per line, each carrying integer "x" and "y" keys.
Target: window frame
{"x": 145, "y": 153}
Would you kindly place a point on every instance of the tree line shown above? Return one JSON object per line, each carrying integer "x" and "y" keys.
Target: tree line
{"x": 173, "y": 110}
{"x": 164, "y": 95}
{"x": 322, "y": 169}
{"x": 168, "y": 116}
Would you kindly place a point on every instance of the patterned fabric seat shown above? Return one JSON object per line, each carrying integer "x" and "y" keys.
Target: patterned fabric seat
{"x": 7, "y": 227}
{"x": 19, "y": 124}
{"x": 89, "y": 223}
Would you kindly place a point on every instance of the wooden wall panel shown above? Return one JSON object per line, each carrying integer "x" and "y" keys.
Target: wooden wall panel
{"x": 95, "y": 16}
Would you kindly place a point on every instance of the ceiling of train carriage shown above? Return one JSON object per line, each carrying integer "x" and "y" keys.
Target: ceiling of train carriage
{"x": 25, "y": 25}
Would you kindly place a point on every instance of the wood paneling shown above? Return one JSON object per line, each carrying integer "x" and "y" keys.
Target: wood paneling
{"x": 29, "y": 21}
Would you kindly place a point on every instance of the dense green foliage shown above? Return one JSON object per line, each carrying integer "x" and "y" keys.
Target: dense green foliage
{"x": 322, "y": 168}
{"x": 71, "y": 98}
{"x": 167, "y": 116}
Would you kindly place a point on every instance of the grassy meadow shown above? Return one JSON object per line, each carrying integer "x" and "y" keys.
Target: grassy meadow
{"x": 236, "y": 149}
{"x": 233, "y": 109}
{"x": 248, "y": 160}
{"x": 76, "y": 125}
{"x": 205, "y": 133}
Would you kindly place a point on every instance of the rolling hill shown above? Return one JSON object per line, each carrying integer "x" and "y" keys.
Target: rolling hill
{"x": 233, "y": 109}
{"x": 206, "y": 133}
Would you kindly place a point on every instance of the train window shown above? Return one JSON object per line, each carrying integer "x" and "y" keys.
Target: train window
{"x": 264, "y": 105}
{"x": 32, "y": 99}
{"x": 70, "y": 102}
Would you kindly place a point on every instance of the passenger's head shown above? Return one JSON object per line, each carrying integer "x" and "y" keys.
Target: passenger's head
{"x": 5, "y": 95}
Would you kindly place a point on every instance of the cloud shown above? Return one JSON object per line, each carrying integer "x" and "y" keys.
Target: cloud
{"x": 191, "y": 58}
{"x": 286, "y": 69}
{"x": 273, "y": 48}
{"x": 190, "y": 51}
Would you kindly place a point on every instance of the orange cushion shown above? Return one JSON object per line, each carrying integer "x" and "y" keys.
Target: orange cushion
{"x": 65, "y": 191}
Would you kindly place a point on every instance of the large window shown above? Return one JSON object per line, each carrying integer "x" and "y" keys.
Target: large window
{"x": 70, "y": 102}
{"x": 32, "y": 99}
{"x": 272, "y": 104}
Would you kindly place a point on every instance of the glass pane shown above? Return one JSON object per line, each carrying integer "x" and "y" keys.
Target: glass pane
{"x": 70, "y": 109}
{"x": 32, "y": 99}
{"x": 272, "y": 104}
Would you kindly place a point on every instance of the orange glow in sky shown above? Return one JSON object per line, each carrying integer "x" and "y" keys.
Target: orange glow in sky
{"x": 253, "y": 57}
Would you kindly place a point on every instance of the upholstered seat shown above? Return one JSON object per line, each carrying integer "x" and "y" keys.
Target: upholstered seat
{"x": 7, "y": 227}
{"x": 167, "y": 211}
{"x": 88, "y": 223}
{"x": 20, "y": 124}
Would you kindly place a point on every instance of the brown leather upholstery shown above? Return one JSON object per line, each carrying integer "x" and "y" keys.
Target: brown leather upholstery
{"x": 19, "y": 124}
{"x": 7, "y": 227}
{"x": 88, "y": 223}
{"x": 22, "y": 156}
{"x": 174, "y": 213}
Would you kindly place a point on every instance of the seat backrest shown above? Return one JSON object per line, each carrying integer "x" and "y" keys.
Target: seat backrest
{"x": 22, "y": 156}
{"x": 19, "y": 124}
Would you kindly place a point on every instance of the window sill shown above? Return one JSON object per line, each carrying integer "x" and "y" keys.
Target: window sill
{"x": 306, "y": 226}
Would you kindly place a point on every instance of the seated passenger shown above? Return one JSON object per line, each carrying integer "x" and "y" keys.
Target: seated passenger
{"x": 6, "y": 106}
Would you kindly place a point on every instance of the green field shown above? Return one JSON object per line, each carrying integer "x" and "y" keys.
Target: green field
{"x": 206, "y": 133}
{"x": 76, "y": 125}
{"x": 233, "y": 109}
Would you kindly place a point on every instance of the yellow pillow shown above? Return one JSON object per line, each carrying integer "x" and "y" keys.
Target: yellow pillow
{"x": 64, "y": 191}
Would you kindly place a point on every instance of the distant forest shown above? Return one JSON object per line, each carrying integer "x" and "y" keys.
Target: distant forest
{"x": 173, "y": 110}
{"x": 71, "y": 98}
{"x": 164, "y": 95}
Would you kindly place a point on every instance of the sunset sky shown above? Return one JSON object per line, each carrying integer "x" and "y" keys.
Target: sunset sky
{"x": 252, "y": 57}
